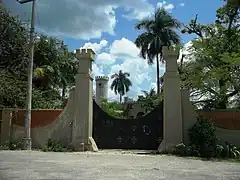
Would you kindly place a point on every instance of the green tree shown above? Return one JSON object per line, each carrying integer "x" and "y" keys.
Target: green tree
{"x": 13, "y": 94}
{"x": 114, "y": 109}
{"x": 213, "y": 76}
{"x": 13, "y": 46}
{"x": 54, "y": 66}
{"x": 159, "y": 31}
{"x": 150, "y": 99}
{"x": 235, "y": 3}
{"x": 121, "y": 83}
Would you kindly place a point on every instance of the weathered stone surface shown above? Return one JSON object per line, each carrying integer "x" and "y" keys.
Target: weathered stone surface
{"x": 92, "y": 146}
{"x": 166, "y": 147}
{"x": 172, "y": 123}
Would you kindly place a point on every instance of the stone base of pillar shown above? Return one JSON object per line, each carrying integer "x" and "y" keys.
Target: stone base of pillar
{"x": 166, "y": 147}
{"x": 79, "y": 148}
{"x": 92, "y": 146}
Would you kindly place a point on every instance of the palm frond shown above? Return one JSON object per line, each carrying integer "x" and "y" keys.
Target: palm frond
{"x": 144, "y": 24}
{"x": 126, "y": 74}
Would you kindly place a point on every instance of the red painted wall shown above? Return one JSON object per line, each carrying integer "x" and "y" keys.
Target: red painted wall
{"x": 226, "y": 120}
{"x": 39, "y": 117}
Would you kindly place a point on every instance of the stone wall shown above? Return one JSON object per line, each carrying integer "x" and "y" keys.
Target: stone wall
{"x": 46, "y": 124}
{"x": 223, "y": 119}
{"x": 56, "y": 123}
{"x": 227, "y": 123}
{"x": 40, "y": 118}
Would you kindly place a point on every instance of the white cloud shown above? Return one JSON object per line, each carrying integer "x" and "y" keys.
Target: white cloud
{"x": 187, "y": 52}
{"x": 165, "y": 5}
{"x": 139, "y": 14}
{"x": 124, "y": 47}
{"x": 97, "y": 70}
{"x": 80, "y": 19}
{"x": 123, "y": 55}
{"x": 126, "y": 57}
{"x": 102, "y": 58}
{"x": 105, "y": 58}
{"x": 96, "y": 46}
{"x": 182, "y": 4}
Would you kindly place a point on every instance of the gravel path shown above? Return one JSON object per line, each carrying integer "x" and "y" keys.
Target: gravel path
{"x": 110, "y": 165}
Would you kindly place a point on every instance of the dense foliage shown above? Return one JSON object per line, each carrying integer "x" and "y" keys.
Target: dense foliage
{"x": 150, "y": 99}
{"x": 204, "y": 143}
{"x": 202, "y": 136}
{"x": 54, "y": 66}
{"x": 114, "y": 109}
{"x": 213, "y": 73}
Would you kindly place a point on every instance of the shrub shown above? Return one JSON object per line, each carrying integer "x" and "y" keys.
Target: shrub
{"x": 203, "y": 143}
{"x": 4, "y": 147}
{"x": 12, "y": 145}
{"x": 227, "y": 151}
{"x": 185, "y": 150}
{"x": 202, "y": 136}
{"x": 56, "y": 146}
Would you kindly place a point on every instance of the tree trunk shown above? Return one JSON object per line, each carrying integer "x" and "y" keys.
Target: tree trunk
{"x": 120, "y": 98}
{"x": 223, "y": 99}
{"x": 158, "y": 75}
{"x": 63, "y": 92}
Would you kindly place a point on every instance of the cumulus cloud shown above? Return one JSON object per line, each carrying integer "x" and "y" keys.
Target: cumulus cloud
{"x": 142, "y": 75}
{"x": 187, "y": 51}
{"x": 105, "y": 58}
{"x": 124, "y": 48}
{"x": 96, "y": 46}
{"x": 126, "y": 57}
{"x": 165, "y": 5}
{"x": 80, "y": 19}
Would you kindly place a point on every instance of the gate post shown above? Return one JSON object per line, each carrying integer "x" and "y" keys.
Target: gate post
{"x": 83, "y": 107}
{"x": 172, "y": 117}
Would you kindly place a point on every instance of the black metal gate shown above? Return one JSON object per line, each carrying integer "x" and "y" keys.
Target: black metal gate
{"x": 140, "y": 133}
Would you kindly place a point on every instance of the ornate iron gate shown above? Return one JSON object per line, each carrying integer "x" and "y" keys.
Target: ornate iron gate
{"x": 140, "y": 133}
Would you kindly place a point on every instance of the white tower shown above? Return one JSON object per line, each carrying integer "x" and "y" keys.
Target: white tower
{"x": 101, "y": 88}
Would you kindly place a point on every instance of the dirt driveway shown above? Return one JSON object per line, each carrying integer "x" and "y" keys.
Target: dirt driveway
{"x": 110, "y": 165}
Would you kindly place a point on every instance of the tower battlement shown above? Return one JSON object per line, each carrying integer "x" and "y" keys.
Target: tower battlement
{"x": 98, "y": 78}
{"x": 101, "y": 88}
{"x": 85, "y": 53}
{"x": 171, "y": 51}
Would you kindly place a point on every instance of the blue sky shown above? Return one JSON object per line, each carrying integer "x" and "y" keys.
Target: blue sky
{"x": 184, "y": 10}
{"x": 107, "y": 26}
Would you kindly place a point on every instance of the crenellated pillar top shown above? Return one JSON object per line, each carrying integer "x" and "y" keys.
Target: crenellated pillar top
{"x": 87, "y": 54}
{"x": 85, "y": 57}
{"x": 170, "y": 55}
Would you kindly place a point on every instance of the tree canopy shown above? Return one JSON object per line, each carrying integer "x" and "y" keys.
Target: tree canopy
{"x": 54, "y": 66}
{"x": 214, "y": 75}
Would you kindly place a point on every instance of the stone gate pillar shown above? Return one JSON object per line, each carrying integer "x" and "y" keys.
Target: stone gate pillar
{"x": 172, "y": 117}
{"x": 83, "y": 107}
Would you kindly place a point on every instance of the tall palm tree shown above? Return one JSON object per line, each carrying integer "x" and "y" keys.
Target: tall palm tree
{"x": 121, "y": 83}
{"x": 159, "y": 31}
{"x": 235, "y": 3}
